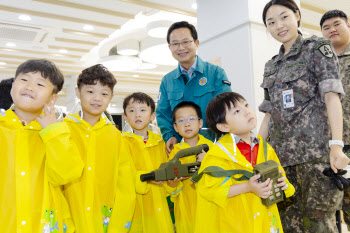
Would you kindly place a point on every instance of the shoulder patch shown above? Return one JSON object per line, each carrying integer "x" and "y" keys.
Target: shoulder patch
{"x": 326, "y": 50}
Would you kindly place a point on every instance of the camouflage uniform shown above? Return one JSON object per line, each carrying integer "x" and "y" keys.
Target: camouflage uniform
{"x": 344, "y": 63}
{"x": 300, "y": 134}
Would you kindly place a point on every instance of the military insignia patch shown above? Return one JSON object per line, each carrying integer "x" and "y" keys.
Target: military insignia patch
{"x": 203, "y": 81}
{"x": 326, "y": 50}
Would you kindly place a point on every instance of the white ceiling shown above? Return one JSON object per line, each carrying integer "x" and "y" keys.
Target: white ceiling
{"x": 58, "y": 24}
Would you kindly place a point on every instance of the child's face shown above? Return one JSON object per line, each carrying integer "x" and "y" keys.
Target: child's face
{"x": 30, "y": 92}
{"x": 187, "y": 123}
{"x": 138, "y": 115}
{"x": 240, "y": 119}
{"x": 94, "y": 98}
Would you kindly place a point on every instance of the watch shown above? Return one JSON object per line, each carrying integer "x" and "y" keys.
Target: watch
{"x": 336, "y": 142}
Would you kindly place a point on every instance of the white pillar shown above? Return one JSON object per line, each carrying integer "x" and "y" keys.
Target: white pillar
{"x": 233, "y": 30}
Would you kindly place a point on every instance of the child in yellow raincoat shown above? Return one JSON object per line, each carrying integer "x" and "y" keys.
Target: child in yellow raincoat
{"x": 148, "y": 152}
{"x": 187, "y": 118}
{"x": 37, "y": 155}
{"x": 227, "y": 205}
{"x": 103, "y": 199}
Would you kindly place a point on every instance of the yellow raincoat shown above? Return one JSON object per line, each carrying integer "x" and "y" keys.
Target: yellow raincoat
{"x": 241, "y": 213}
{"x": 185, "y": 196}
{"x": 151, "y": 212}
{"x": 34, "y": 163}
{"x": 106, "y": 181}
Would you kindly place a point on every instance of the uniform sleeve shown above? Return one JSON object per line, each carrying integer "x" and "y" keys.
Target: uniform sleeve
{"x": 63, "y": 161}
{"x": 222, "y": 84}
{"x": 290, "y": 189}
{"x": 326, "y": 68}
{"x": 125, "y": 198}
{"x": 266, "y": 106}
{"x": 214, "y": 189}
{"x": 163, "y": 113}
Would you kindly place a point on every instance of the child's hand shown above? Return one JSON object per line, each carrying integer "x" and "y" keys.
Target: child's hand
{"x": 49, "y": 118}
{"x": 200, "y": 156}
{"x": 173, "y": 183}
{"x": 156, "y": 182}
{"x": 282, "y": 182}
{"x": 262, "y": 190}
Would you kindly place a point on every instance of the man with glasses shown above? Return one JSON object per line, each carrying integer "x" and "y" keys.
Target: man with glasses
{"x": 193, "y": 80}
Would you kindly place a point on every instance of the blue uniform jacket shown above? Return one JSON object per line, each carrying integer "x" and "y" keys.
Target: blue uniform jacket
{"x": 207, "y": 81}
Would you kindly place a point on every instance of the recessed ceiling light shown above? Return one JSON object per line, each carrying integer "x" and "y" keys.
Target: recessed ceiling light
{"x": 194, "y": 6}
{"x": 128, "y": 47}
{"x": 2, "y": 63}
{"x": 113, "y": 105}
{"x": 121, "y": 63}
{"x": 158, "y": 29}
{"x": 24, "y": 17}
{"x": 10, "y": 44}
{"x": 135, "y": 75}
{"x": 63, "y": 51}
{"x": 88, "y": 28}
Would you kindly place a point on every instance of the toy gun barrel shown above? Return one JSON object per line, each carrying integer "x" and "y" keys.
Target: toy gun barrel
{"x": 148, "y": 176}
{"x": 173, "y": 168}
{"x": 191, "y": 151}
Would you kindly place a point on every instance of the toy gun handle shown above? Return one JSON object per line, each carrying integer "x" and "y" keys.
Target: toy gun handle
{"x": 190, "y": 151}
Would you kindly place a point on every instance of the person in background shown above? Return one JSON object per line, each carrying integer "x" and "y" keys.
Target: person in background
{"x": 193, "y": 80}
{"x": 5, "y": 96}
{"x": 336, "y": 28}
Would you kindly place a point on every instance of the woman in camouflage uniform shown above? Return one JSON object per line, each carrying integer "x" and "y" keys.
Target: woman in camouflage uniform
{"x": 304, "y": 72}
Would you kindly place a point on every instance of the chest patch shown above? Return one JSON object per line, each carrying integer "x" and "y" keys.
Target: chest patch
{"x": 203, "y": 81}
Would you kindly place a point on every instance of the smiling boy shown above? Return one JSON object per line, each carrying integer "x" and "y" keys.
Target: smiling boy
{"x": 37, "y": 154}
{"x": 104, "y": 197}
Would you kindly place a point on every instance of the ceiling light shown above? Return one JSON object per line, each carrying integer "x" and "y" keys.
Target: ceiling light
{"x": 136, "y": 75}
{"x": 2, "y": 63}
{"x": 10, "y": 44}
{"x": 63, "y": 51}
{"x": 120, "y": 63}
{"x": 194, "y": 6}
{"x": 147, "y": 66}
{"x": 152, "y": 46}
{"x": 24, "y": 17}
{"x": 128, "y": 47}
{"x": 88, "y": 28}
{"x": 158, "y": 29}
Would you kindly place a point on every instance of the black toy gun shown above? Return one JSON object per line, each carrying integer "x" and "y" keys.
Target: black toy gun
{"x": 173, "y": 168}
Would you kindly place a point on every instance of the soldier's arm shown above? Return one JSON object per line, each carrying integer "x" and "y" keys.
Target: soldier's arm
{"x": 263, "y": 131}
{"x": 337, "y": 157}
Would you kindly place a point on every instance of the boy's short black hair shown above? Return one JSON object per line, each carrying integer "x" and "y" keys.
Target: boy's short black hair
{"x": 139, "y": 97}
{"x": 185, "y": 104}
{"x": 47, "y": 69}
{"x": 333, "y": 14}
{"x": 182, "y": 24}
{"x": 95, "y": 73}
{"x": 5, "y": 93}
{"x": 218, "y": 106}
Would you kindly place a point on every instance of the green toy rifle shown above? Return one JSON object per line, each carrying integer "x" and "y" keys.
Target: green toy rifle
{"x": 173, "y": 168}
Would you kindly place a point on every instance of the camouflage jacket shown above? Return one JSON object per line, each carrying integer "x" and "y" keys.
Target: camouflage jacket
{"x": 301, "y": 133}
{"x": 344, "y": 63}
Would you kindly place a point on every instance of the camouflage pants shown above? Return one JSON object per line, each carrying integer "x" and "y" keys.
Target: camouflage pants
{"x": 346, "y": 203}
{"x": 316, "y": 199}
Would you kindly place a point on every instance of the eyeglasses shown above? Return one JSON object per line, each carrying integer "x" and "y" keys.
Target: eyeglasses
{"x": 185, "y": 44}
{"x": 190, "y": 120}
